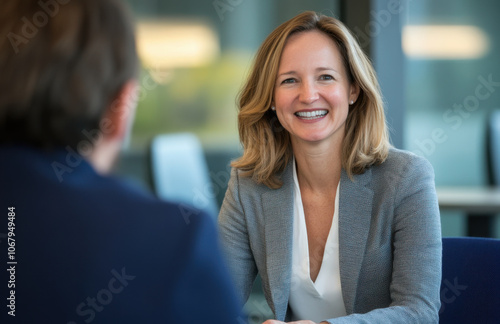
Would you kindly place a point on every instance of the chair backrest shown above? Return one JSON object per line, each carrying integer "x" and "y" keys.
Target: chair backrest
{"x": 470, "y": 286}
{"x": 179, "y": 171}
{"x": 493, "y": 148}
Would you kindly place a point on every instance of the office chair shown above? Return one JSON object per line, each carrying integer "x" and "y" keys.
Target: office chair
{"x": 493, "y": 148}
{"x": 470, "y": 286}
{"x": 482, "y": 224}
{"x": 179, "y": 172}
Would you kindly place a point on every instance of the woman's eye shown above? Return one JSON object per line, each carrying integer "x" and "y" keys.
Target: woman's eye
{"x": 289, "y": 80}
{"x": 326, "y": 77}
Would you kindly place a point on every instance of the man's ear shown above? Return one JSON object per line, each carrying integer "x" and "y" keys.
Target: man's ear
{"x": 120, "y": 113}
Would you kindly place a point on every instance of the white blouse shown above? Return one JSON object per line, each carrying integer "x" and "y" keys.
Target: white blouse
{"x": 322, "y": 299}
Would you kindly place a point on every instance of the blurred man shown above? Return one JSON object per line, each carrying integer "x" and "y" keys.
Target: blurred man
{"x": 77, "y": 246}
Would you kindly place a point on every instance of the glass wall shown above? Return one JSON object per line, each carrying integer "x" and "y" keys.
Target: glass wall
{"x": 196, "y": 55}
{"x": 452, "y": 84}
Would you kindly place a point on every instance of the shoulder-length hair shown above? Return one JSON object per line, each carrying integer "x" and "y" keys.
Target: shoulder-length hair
{"x": 266, "y": 144}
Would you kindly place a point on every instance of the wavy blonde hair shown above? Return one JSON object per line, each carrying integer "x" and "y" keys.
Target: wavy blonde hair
{"x": 266, "y": 144}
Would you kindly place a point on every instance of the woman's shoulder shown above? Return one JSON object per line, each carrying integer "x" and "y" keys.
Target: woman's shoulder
{"x": 401, "y": 173}
{"x": 402, "y": 157}
{"x": 245, "y": 182}
{"x": 404, "y": 162}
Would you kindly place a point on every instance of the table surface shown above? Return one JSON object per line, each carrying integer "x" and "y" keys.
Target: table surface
{"x": 470, "y": 199}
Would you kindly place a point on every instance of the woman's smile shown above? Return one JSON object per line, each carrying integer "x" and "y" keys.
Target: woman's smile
{"x": 311, "y": 114}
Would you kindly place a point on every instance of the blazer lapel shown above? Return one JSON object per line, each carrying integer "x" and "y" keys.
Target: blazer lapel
{"x": 355, "y": 206}
{"x": 278, "y": 207}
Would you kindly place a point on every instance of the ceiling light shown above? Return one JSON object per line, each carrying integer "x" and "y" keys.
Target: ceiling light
{"x": 449, "y": 42}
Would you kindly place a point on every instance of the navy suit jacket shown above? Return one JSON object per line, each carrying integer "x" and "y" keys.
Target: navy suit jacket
{"x": 92, "y": 249}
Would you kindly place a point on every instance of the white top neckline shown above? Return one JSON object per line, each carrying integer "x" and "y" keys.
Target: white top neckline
{"x": 321, "y": 299}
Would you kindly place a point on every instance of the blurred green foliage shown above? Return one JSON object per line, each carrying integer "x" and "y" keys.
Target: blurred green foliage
{"x": 201, "y": 100}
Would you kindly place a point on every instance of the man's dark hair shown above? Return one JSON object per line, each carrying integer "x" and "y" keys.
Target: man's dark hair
{"x": 62, "y": 63}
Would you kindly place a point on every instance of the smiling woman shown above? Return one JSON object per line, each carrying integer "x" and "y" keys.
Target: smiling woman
{"x": 341, "y": 227}
{"x": 313, "y": 90}
{"x": 268, "y": 151}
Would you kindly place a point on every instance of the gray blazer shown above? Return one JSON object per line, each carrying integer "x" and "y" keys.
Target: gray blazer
{"x": 389, "y": 241}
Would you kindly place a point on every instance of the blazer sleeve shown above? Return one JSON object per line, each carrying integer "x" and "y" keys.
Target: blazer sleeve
{"x": 417, "y": 250}
{"x": 235, "y": 239}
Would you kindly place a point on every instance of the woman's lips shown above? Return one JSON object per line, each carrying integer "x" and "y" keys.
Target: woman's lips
{"x": 311, "y": 114}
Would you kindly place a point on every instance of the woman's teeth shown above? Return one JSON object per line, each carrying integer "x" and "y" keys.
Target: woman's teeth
{"x": 311, "y": 114}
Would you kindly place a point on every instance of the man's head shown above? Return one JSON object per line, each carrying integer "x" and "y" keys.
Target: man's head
{"x": 67, "y": 70}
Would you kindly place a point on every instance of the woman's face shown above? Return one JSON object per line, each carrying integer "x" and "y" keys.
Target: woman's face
{"x": 312, "y": 91}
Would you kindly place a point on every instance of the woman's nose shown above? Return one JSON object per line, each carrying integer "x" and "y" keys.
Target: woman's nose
{"x": 308, "y": 92}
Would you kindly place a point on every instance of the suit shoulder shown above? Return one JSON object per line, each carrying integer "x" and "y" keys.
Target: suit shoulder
{"x": 245, "y": 182}
{"x": 399, "y": 159}
{"x": 402, "y": 164}
{"x": 135, "y": 200}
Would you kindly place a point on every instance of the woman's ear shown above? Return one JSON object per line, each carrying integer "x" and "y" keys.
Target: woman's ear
{"x": 354, "y": 92}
